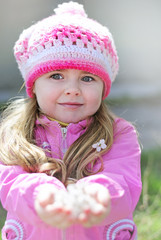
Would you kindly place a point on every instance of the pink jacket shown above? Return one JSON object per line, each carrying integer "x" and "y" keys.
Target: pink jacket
{"x": 121, "y": 175}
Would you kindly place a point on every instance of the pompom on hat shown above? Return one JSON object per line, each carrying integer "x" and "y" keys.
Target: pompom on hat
{"x": 66, "y": 40}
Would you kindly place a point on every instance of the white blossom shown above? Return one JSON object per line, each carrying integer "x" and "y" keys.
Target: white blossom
{"x": 99, "y": 145}
{"x": 76, "y": 199}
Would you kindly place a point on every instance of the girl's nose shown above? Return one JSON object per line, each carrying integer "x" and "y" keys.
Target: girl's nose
{"x": 72, "y": 91}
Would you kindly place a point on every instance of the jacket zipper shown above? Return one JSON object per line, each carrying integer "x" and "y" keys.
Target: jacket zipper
{"x": 64, "y": 142}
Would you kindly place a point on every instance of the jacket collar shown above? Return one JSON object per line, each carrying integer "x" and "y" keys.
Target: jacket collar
{"x": 72, "y": 127}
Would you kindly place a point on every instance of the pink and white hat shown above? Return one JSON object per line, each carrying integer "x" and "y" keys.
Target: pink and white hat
{"x": 66, "y": 40}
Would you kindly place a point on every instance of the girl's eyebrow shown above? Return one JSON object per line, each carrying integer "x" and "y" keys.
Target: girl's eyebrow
{"x": 85, "y": 72}
{"x": 58, "y": 70}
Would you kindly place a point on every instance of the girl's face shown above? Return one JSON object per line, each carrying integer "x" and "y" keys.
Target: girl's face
{"x": 69, "y": 95}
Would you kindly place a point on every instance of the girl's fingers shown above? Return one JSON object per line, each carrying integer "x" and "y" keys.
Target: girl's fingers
{"x": 44, "y": 200}
{"x": 62, "y": 220}
{"x": 46, "y": 195}
{"x": 82, "y": 218}
{"x": 98, "y": 210}
{"x": 103, "y": 197}
{"x": 55, "y": 216}
{"x": 99, "y": 193}
{"x": 91, "y": 189}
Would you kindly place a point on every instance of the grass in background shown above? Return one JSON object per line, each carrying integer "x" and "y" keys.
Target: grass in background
{"x": 148, "y": 212}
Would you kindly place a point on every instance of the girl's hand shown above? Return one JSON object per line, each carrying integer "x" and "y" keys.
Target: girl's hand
{"x": 84, "y": 204}
{"x": 52, "y": 212}
{"x": 99, "y": 207}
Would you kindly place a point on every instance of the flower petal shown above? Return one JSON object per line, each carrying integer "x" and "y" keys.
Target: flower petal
{"x": 95, "y": 145}
{"x": 98, "y": 149}
{"x": 102, "y": 141}
{"x": 103, "y": 146}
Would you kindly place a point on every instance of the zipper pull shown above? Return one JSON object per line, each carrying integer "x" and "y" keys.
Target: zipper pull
{"x": 64, "y": 143}
{"x": 64, "y": 132}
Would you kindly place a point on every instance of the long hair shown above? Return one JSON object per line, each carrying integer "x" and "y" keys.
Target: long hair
{"x": 18, "y": 145}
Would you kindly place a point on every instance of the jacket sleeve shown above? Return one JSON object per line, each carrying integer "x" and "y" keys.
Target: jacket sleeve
{"x": 121, "y": 174}
{"x": 18, "y": 190}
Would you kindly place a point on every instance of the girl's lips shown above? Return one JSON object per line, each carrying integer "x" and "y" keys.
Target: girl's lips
{"x": 71, "y": 105}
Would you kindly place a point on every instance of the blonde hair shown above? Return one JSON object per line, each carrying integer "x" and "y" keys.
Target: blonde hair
{"x": 18, "y": 145}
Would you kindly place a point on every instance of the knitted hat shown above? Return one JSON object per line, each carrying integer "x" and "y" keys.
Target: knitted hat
{"x": 66, "y": 40}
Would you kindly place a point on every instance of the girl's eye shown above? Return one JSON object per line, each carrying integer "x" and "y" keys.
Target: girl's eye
{"x": 56, "y": 76}
{"x": 87, "y": 79}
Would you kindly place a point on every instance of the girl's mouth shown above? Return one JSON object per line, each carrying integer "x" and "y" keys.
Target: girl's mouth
{"x": 71, "y": 105}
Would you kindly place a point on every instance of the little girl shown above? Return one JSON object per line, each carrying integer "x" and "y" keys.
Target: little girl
{"x": 69, "y": 168}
